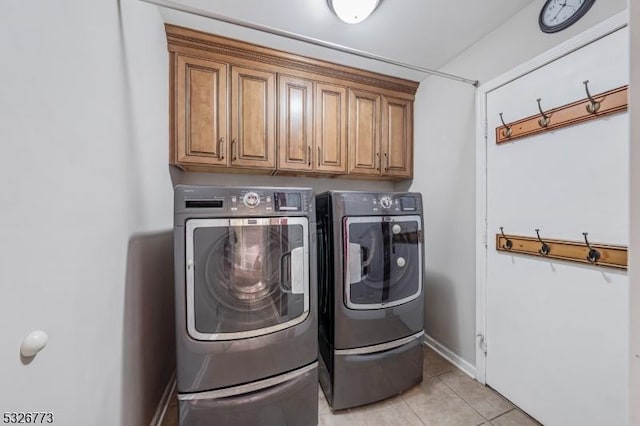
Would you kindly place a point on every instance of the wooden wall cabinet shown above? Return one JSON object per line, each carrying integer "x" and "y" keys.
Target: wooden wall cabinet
{"x": 201, "y": 112}
{"x": 312, "y": 123}
{"x": 238, "y": 107}
{"x": 330, "y": 121}
{"x": 380, "y": 135}
{"x": 253, "y": 138}
{"x": 397, "y": 137}
{"x": 295, "y": 124}
{"x": 364, "y": 132}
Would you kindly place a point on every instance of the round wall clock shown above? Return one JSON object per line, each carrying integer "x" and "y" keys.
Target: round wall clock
{"x": 556, "y": 15}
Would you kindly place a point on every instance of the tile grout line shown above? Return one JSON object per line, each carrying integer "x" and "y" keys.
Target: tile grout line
{"x": 513, "y": 406}
{"x": 467, "y": 402}
{"x": 411, "y": 409}
{"x": 435, "y": 376}
{"x": 500, "y": 415}
{"x": 440, "y": 373}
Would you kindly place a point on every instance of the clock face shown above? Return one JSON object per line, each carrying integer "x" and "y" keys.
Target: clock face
{"x": 556, "y": 15}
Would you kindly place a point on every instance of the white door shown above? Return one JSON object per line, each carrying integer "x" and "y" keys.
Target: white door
{"x": 557, "y": 332}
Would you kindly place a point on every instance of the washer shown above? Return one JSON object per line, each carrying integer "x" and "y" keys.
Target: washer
{"x": 370, "y": 263}
{"x": 246, "y": 322}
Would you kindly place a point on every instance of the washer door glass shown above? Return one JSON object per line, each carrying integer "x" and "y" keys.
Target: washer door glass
{"x": 383, "y": 261}
{"x": 246, "y": 277}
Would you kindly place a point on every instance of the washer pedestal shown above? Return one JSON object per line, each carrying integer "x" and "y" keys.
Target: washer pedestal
{"x": 291, "y": 403}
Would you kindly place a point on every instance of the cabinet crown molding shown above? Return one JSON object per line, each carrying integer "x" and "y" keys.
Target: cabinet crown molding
{"x": 180, "y": 37}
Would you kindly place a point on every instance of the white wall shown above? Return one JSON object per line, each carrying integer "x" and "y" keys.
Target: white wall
{"x": 445, "y": 149}
{"x": 634, "y": 251}
{"x": 86, "y": 206}
{"x": 86, "y": 251}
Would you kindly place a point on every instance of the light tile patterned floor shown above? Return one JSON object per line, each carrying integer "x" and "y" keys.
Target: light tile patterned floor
{"x": 446, "y": 397}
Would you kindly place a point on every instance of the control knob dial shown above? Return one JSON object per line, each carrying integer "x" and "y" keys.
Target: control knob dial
{"x": 385, "y": 202}
{"x": 251, "y": 199}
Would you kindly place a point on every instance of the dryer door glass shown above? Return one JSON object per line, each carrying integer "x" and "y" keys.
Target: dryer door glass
{"x": 383, "y": 262}
{"x": 246, "y": 277}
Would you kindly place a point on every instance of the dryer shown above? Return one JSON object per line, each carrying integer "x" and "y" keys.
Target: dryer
{"x": 370, "y": 263}
{"x": 246, "y": 324}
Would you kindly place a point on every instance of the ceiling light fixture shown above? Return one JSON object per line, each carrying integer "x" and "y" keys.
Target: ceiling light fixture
{"x": 353, "y": 11}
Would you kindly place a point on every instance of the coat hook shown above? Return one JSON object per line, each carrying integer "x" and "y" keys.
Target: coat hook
{"x": 594, "y": 106}
{"x": 506, "y": 132}
{"x": 544, "y": 120}
{"x": 594, "y": 255}
{"x": 508, "y": 244}
{"x": 544, "y": 249}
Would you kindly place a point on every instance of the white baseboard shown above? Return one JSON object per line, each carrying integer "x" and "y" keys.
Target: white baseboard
{"x": 450, "y": 356}
{"x": 161, "y": 410}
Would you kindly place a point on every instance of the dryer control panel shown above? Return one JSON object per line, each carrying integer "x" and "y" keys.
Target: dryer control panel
{"x": 364, "y": 203}
{"x": 394, "y": 203}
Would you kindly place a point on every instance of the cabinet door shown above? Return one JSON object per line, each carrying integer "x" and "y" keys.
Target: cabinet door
{"x": 295, "y": 123}
{"x": 201, "y": 111}
{"x": 364, "y": 132}
{"x": 252, "y": 118}
{"x": 397, "y": 137}
{"x": 330, "y": 128}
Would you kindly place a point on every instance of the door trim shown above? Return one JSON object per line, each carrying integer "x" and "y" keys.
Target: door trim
{"x": 347, "y": 271}
{"x": 192, "y": 225}
{"x": 597, "y": 32}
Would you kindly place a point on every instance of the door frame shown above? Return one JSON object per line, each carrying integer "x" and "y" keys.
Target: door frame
{"x": 611, "y": 25}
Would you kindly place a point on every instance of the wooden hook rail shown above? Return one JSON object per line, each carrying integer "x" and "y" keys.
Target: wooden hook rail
{"x": 612, "y": 256}
{"x": 583, "y": 110}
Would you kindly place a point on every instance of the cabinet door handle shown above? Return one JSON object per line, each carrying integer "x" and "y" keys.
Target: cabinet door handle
{"x": 221, "y": 147}
{"x": 233, "y": 150}
{"x": 386, "y": 162}
{"x": 319, "y": 155}
{"x": 309, "y": 155}
{"x": 378, "y": 162}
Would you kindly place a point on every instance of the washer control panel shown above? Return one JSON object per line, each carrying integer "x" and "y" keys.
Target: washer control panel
{"x": 255, "y": 201}
{"x": 241, "y": 201}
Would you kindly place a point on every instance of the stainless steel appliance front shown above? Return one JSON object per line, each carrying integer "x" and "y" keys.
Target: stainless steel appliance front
{"x": 371, "y": 300}
{"x": 245, "y": 305}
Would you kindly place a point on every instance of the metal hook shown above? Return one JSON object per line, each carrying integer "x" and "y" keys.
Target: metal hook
{"x": 508, "y": 244}
{"x": 594, "y": 255}
{"x": 544, "y": 120}
{"x": 594, "y": 106}
{"x": 544, "y": 249}
{"x": 506, "y": 132}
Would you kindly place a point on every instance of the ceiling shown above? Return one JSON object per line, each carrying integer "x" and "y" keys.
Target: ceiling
{"x": 427, "y": 33}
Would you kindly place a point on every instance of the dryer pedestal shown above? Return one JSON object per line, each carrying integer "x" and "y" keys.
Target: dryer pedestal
{"x": 351, "y": 380}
